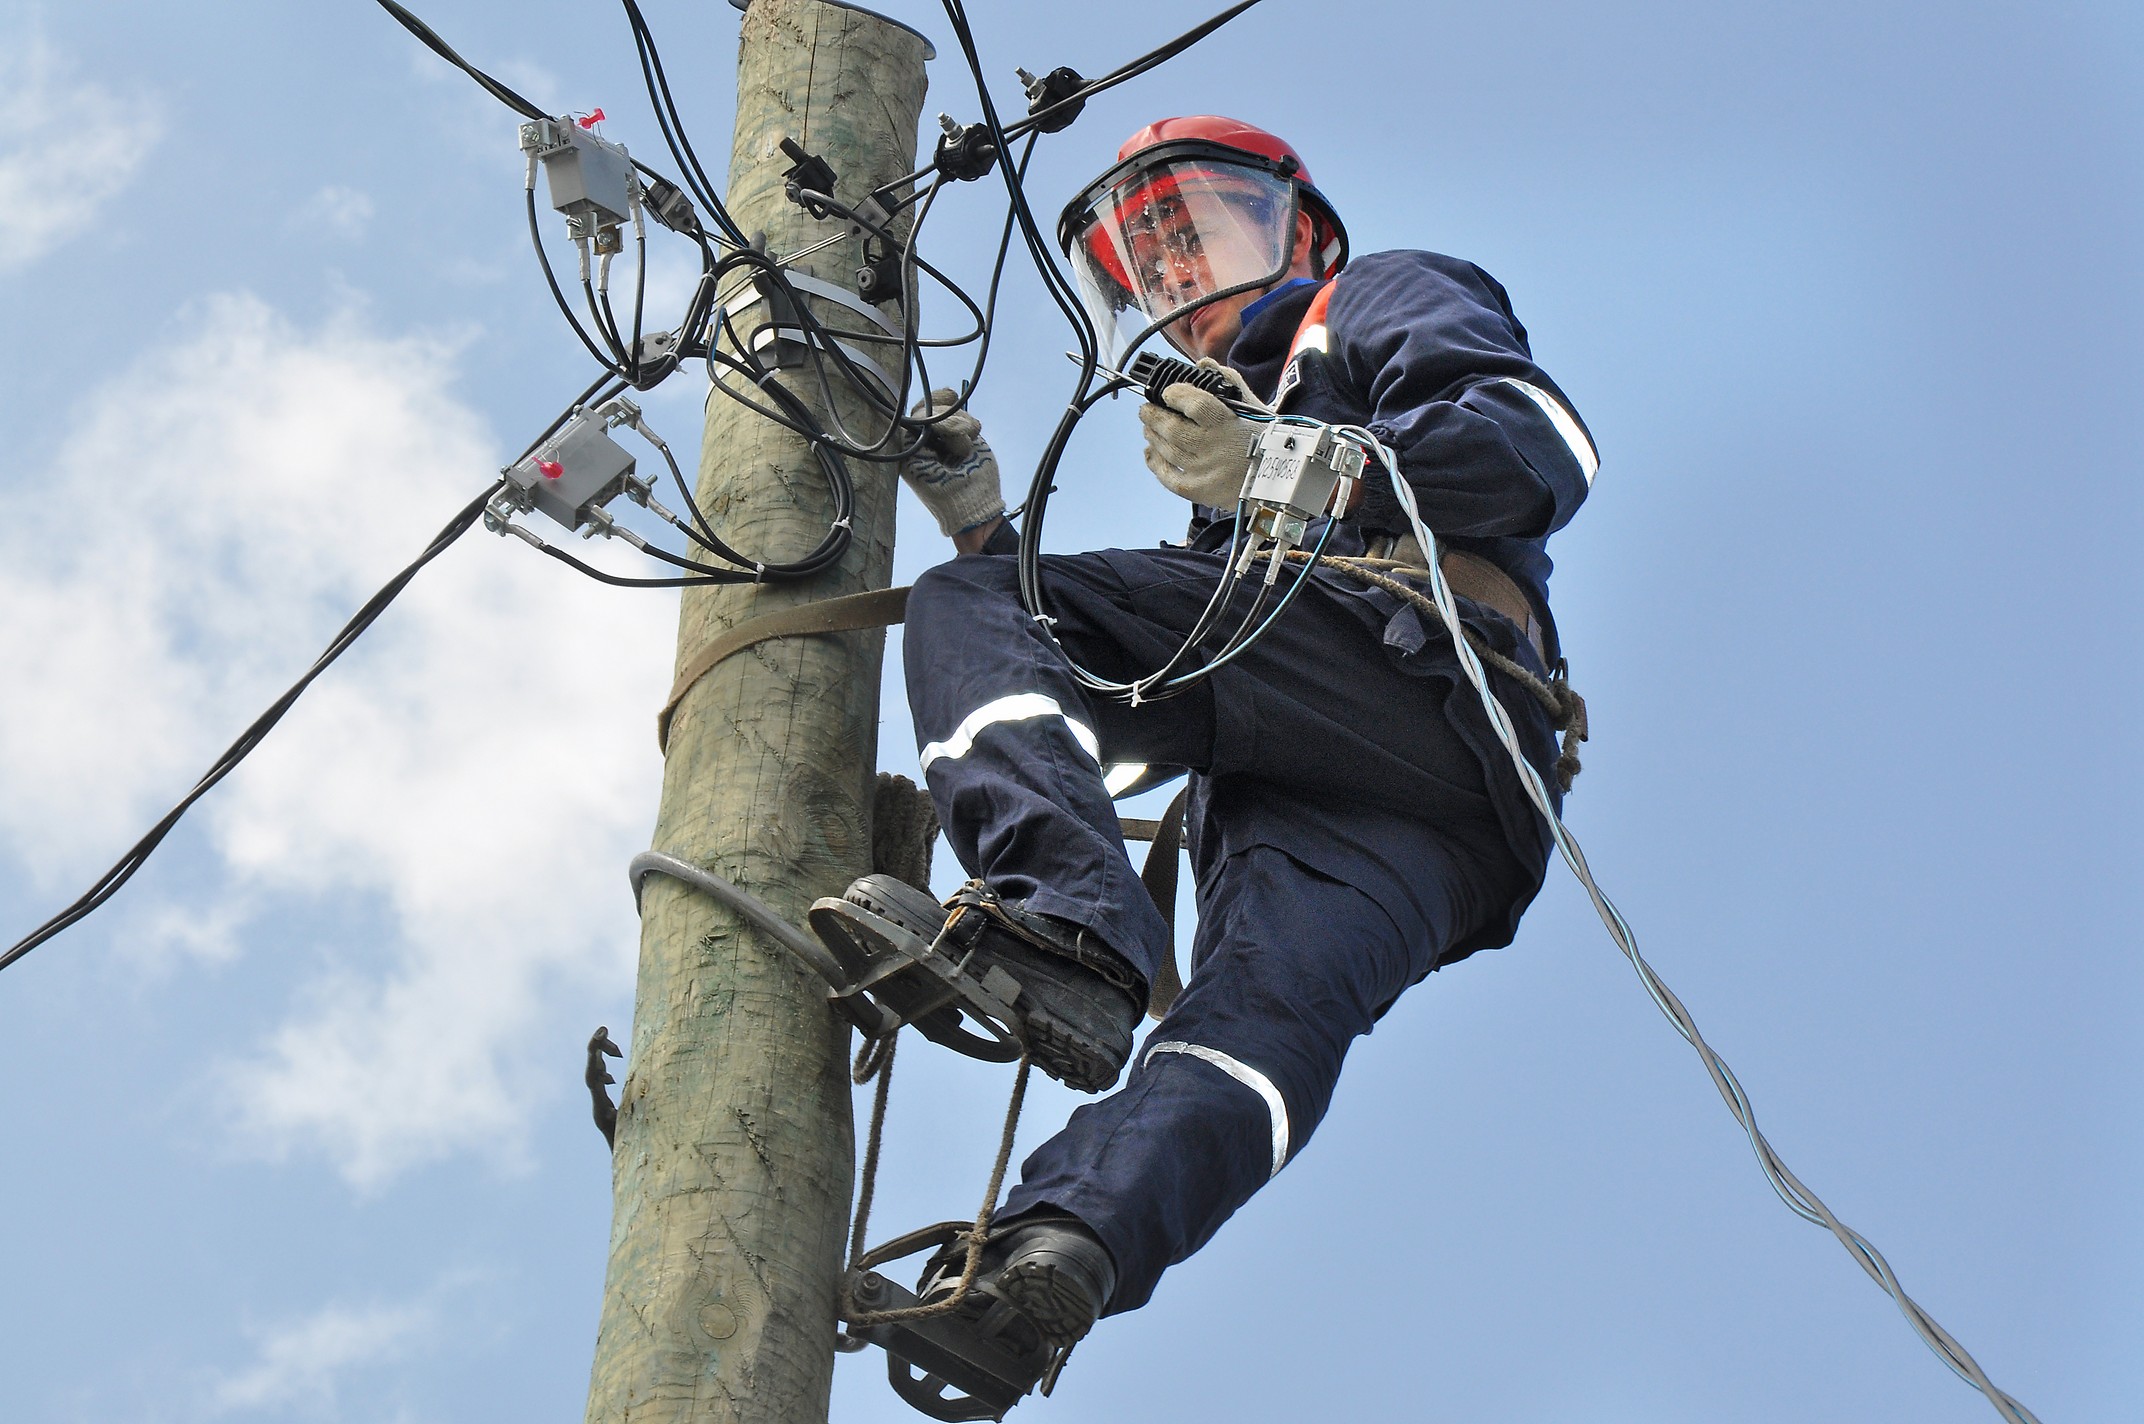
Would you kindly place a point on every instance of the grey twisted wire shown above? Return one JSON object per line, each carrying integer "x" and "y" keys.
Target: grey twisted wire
{"x": 1799, "y": 1198}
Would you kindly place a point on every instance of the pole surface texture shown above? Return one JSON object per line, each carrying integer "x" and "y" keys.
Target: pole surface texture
{"x": 735, "y": 1148}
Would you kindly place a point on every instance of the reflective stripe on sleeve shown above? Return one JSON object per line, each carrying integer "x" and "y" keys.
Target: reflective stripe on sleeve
{"x": 1250, "y": 1078}
{"x": 1020, "y": 707}
{"x": 1566, "y": 425}
{"x": 1123, "y": 774}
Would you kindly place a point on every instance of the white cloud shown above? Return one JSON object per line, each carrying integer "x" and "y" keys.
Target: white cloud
{"x": 472, "y": 776}
{"x": 298, "y": 1367}
{"x": 345, "y": 212}
{"x": 170, "y": 935}
{"x": 68, "y": 147}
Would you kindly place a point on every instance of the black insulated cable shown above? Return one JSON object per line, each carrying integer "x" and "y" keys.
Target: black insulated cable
{"x": 108, "y": 884}
{"x": 1042, "y": 119}
{"x": 1033, "y": 595}
{"x": 673, "y": 125}
{"x": 446, "y": 52}
{"x": 1056, "y": 115}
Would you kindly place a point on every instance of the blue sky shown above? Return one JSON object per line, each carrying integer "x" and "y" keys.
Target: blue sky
{"x": 1851, "y": 298}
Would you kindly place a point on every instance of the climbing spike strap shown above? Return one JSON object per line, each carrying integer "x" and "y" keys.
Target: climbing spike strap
{"x": 880, "y": 608}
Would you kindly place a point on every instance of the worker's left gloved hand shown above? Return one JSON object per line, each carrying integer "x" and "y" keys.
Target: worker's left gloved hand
{"x": 1195, "y": 445}
{"x": 954, "y": 472}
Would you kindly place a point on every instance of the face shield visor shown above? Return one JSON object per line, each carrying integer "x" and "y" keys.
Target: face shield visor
{"x": 1170, "y": 230}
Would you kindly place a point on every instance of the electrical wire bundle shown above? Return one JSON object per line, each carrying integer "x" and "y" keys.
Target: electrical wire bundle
{"x": 629, "y": 358}
{"x": 710, "y": 331}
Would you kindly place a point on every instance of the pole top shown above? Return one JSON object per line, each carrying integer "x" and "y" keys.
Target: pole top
{"x": 930, "y": 51}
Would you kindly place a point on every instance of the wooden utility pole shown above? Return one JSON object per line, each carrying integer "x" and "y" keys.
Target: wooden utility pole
{"x": 735, "y": 1150}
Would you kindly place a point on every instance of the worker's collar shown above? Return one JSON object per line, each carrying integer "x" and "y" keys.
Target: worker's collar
{"x": 1282, "y": 290}
{"x": 1260, "y": 349}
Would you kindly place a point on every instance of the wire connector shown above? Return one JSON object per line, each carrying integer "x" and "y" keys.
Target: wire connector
{"x": 1299, "y": 470}
{"x": 1048, "y": 92}
{"x": 806, "y": 174}
{"x": 591, "y": 179}
{"x": 668, "y": 205}
{"x": 965, "y": 152}
{"x": 572, "y": 475}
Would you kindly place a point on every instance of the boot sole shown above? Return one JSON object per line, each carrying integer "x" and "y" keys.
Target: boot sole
{"x": 1048, "y": 1296}
{"x": 1074, "y": 1059}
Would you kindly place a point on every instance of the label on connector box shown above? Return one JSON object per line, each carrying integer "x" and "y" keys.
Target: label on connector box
{"x": 1288, "y": 476}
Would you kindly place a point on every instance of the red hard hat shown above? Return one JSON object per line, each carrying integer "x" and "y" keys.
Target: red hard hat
{"x": 1192, "y": 209}
{"x": 1234, "y": 133}
{"x": 1330, "y": 244}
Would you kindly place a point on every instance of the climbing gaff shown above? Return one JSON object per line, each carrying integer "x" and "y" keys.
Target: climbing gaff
{"x": 948, "y": 1366}
{"x": 893, "y": 965}
{"x": 882, "y": 967}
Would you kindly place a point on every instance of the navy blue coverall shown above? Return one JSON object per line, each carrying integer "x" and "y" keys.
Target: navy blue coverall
{"x": 1353, "y": 823}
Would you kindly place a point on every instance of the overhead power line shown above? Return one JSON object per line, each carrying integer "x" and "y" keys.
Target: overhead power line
{"x": 107, "y": 884}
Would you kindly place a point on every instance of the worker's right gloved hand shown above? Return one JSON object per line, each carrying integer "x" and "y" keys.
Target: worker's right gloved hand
{"x": 954, "y": 473}
{"x": 1195, "y": 445}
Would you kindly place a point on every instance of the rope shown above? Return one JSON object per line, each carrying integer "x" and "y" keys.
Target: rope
{"x": 874, "y": 1059}
{"x": 976, "y": 1234}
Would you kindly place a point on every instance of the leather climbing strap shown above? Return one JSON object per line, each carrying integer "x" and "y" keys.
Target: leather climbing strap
{"x": 1159, "y": 877}
{"x": 1470, "y": 576}
{"x": 880, "y": 608}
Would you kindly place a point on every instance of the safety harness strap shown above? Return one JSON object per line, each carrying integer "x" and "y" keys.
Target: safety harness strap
{"x": 880, "y": 608}
{"x": 1159, "y": 876}
{"x": 1471, "y": 576}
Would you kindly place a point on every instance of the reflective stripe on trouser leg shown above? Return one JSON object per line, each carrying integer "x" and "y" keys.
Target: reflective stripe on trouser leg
{"x": 1020, "y": 707}
{"x": 1011, "y": 748}
{"x": 1288, "y": 968}
{"x": 1250, "y": 1078}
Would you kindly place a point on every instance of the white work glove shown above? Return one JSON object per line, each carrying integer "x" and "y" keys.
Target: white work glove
{"x": 1195, "y": 445}
{"x": 954, "y": 473}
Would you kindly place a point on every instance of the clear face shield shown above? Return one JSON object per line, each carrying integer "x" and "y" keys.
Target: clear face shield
{"x": 1159, "y": 238}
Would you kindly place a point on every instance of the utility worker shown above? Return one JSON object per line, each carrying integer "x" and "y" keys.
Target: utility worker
{"x": 1352, "y": 821}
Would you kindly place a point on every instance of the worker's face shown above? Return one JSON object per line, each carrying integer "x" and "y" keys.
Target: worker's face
{"x": 1185, "y": 257}
{"x": 1162, "y": 239}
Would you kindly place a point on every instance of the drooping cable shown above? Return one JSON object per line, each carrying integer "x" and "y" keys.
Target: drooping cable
{"x": 672, "y": 125}
{"x": 108, "y": 884}
{"x": 1798, "y": 1197}
{"x": 446, "y": 52}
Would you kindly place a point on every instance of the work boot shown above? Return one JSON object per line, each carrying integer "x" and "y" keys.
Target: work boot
{"x": 1079, "y": 1002}
{"x": 1053, "y": 1273}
